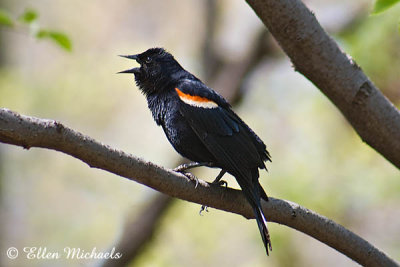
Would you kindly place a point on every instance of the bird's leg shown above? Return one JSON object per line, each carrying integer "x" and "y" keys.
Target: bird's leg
{"x": 191, "y": 165}
{"x": 203, "y": 208}
{"x": 182, "y": 169}
{"x": 191, "y": 177}
{"x": 216, "y": 181}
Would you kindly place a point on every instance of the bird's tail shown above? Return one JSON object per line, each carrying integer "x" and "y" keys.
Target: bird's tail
{"x": 262, "y": 226}
{"x": 253, "y": 192}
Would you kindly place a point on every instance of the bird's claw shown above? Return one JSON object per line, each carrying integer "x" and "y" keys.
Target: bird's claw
{"x": 203, "y": 208}
{"x": 191, "y": 177}
{"x": 222, "y": 183}
{"x": 180, "y": 168}
{"x": 185, "y": 166}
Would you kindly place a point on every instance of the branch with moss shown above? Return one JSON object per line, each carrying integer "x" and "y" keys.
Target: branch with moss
{"x": 30, "y": 132}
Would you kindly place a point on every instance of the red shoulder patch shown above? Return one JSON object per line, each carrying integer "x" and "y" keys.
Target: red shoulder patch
{"x": 196, "y": 101}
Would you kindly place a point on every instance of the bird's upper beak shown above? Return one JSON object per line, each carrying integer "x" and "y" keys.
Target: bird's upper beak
{"x": 133, "y": 70}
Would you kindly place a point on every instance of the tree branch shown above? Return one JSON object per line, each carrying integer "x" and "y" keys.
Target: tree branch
{"x": 33, "y": 132}
{"x": 319, "y": 58}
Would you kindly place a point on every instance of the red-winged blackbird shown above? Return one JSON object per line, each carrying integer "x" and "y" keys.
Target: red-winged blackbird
{"x": 201, "y": 126}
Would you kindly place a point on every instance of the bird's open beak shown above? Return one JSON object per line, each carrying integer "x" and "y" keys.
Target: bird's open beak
{"x": 130, "y": 56}
{"x": 133, "y": 70}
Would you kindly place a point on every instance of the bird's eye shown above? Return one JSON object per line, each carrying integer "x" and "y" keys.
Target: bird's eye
{"x": 148, "y": 60}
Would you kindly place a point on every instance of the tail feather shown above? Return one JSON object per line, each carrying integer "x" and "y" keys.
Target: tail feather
{"x": 262, "y": 226}
{"x": 254, "y": 193}
{"x": 262, "y": 192}
{"x": 257, "y": 187}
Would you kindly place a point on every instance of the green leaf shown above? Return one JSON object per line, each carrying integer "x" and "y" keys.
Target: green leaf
{"x": 5, "y": 18}
{"x": 382, "y": 5}
{"x": 28, "y": 16}
{"x": 42, "y": 34}
{"x": 59, "y": 38}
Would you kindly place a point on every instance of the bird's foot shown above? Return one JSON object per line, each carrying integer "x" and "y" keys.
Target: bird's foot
{"x": 217, "y": 182}
{"x": 221, "y": 183}
{"x": 183, "y": 167}
{"x": 191, "y": 165}
{"x": 191, "y": 177}
{"x": 203, "y": 208}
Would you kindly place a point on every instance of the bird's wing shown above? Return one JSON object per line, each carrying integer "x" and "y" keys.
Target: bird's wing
{"x": 195, "y": 87}
{"x": 261, "y": 147}
{"x": 221, "y": 130}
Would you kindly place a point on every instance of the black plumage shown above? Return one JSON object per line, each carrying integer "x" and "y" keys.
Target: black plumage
{"x": 201, "y": 126}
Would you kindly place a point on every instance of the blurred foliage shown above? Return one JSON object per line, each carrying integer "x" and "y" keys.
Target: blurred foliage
{"x": 58, "y": 37}
{"x": 382, "y": 5}
{"x": 5, "y": 18}
{"x": 30, "y": 17}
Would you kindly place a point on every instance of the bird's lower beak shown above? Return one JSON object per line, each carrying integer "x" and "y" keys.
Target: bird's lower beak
{"x": 133, "y": 70}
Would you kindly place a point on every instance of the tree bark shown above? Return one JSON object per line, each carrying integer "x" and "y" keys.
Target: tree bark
{"x": 33, "y": 132}
{"x": 318, "y": 57}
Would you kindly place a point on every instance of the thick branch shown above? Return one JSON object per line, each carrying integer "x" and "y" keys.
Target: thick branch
{"x": 319, "y": 58}
{"x": 32, "y": 132}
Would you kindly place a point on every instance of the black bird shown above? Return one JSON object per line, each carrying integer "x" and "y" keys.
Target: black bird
{"x": 201, "y": 126}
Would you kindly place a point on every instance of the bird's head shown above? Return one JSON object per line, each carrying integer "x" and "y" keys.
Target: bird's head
{"x": 156, "y": 67}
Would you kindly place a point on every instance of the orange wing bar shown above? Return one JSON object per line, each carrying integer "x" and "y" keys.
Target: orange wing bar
{"x": 194, "y": 98}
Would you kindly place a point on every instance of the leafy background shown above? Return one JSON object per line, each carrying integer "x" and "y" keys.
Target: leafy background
{"x": 58, "y": 60}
